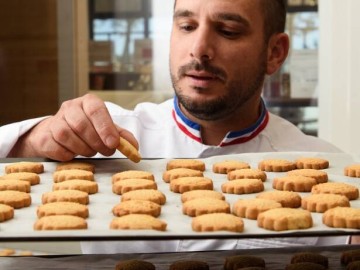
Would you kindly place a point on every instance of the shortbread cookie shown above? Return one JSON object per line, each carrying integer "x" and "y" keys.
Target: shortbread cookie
{"x": 226, "y": 166}
{"x": 87, "y": 186}
{"x": 217, "y": 222}
{"x": 64, "y": 175}
{"x": 32, "y": 178}
{"x": 243, "y": 261}
{"x": 62, "y": 208}
{"x": 151, "y": 195}
{"x": 15, "y": 199}
{"x": 321, "y": 202}
{"x": 6, "y": 212}
{"x": 186, "y": 163}
{"x": 312, "y": 163}
{"x": 342, "y": 217}
{"x": 296, "y": 183}
{"x": 128, "y": 150}
{"x": 319, "y": 176}
{"x": 195, "y": 194}
{"x": 132, "y": 174}
{"x": 65, "y": 196}
{"x": 138, "y": 222}
{"x": 305, "y": 266}
{"x": 281, "y": 219}
{"x": 247, "y": 173}
{"x": 242, "y": 186}
{"x": 251, "y": 208}
{"x": 134, "y": 265}
{"x": 13, "y": 184}
{"x": 276, "y": 165}
{"x": 7, "y": 252}
{"x": 123, "y": 186}
{"x": 352, "y": 170}
{"x": 76, "y": 165}
{"x": 137, "y": 207}
{"x": 286, "y": 198}
{"x": 350, "y": 191}
{"x": 349, "y": 256}
{"x": 180, "y": 172}
{"x": 184, "y": 184}
{"x": 189, "y": 265}
{"x": 60, "y": 222}
{"x": 25, "y": 166}
{"x": 310, "y": 257}
{"x": 203, "y": 206}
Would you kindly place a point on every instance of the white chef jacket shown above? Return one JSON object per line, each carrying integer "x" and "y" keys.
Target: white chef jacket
{"x": 163, "y": 131}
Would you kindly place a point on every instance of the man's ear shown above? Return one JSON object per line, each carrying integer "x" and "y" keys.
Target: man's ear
{"x": 278, "y": 49}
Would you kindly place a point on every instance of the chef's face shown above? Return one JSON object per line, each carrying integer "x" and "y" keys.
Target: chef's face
{"x": 217, "y": 55}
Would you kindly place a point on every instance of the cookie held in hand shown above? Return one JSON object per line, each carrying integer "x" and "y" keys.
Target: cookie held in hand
{"x": 128, "y": 150}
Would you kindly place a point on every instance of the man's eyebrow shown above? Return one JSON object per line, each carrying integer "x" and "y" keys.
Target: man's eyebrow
{"x": 181, "y": 13}
{"x": 232, "y": 17}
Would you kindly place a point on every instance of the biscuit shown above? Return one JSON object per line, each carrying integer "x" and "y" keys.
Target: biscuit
{"x": 286, "y": 198}
{"x": 13, "y": 184}
{"x": 304, "y": 266}
{"x": 251, "y": 208}
{"x": 123, "y": 186}
{"x": 296, "y": 183}
{"x": 319, "y": 176}
{"x": 242, "y": 186}
{"x": 195, "y": 194}
{"x": 189, "y": 265}
{"x": 312, "y": 163}
{"x": 32, "y": 178}
{"x": 180, "y": 172}
{"x": 62, "y": 208}
{"x": 217, "y": 222}
{"x": 7, "y": 252}
{"x": 15, "y": 199}
{"x": 151, "y": 195}
{"x": 342, "y": 217}
{"x": 310, "y": 257}
{"x": 60, "y": 222}
{"x": 138, "y": 222}
{"x": 128, "y": 150}
{"x": 184, "y": 184}
{"x": 137, "y": 207}
{"x": 243, "y": 261}
{"x": 226, "y": 166}
{"x": 281, "y": 219}
{"x": 6, "y": 212}
{"x": 132, "y": 174}
{"x": 185, "y": 163}
{"x": 321, "y": 202}
{"x": 24, "y": 166}
{"x": 350, "y": 191}
{"x": 352, "y": 170}
{"x": 247, "y": 173}
{"x": 65, "y": 196}
{"x": 276, "y": 165}
{"x": 87, "y": 186}
{"x": 64, "y": 175}
{"x": 203, "y": 206}
{"x": 349, "y": 256}
{"x": 76, "y": 165}
{"x": 134, "y": 265}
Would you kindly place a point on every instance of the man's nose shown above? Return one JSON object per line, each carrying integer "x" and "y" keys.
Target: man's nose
{"x": 203, "y": 45}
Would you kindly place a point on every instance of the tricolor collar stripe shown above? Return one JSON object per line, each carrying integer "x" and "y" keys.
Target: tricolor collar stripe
{"x": 184, "y": 129}
{"x": 183, "y": 118}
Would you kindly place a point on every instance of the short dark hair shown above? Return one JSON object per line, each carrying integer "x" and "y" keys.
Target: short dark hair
{"x": 274, "y": 17}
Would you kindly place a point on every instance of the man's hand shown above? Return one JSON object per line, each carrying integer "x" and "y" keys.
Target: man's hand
{"x": 82, "y": 126}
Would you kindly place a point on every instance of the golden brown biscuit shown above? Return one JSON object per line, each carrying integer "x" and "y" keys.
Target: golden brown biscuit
{"x": 312, "y": 163}
{"x": 137, "y": 207}
{"x": 138, "y": 222}
{"x": 312, "y": 257}
{"x": 134, "y": 264}
{"x": 16, "y": 199}
{"x": 64, "y": 175}
{"x": 350, "y": 191}
{"x": 322, "y": 202}
{"x": 186, "y": 163}
{"x": 243, "y": 262}
{"x": 189, "y": 265}
{"x": 65, "y": 196}
{"x": 319, "y": 176}
{"x": 247, "y": 173}
{"x": 76, "y": 165}
{"x": 32, "y": 178}
{"x": 281, "y": 219}
{"x": 6, "y": 212}
{"x": 342, "y": 217}
{"x": 128, "y": 150}
{"x": 242, "y": 186}
{"x": 151, "y": 195}
{"x": 296, "y": 183}
{"x": 123, "y": 186}
{"x": 184, "y": 184}
{"x": 25, "y": 166}
{"x": 13, "y": 184}
{"x": 352, "y": 170}
{"x": 180, "y": 172}
{"x": 276, "y": 165}
{"x": 87, "y": 186}
{"x": 217, "y": 222}
{"x": 7, "y": 252}
{"x": 60, "y": 222}
{"x": 286, "y": 198}
{"x": 251, "y": 208}
{"x": 62, "y": 208}
{"x": 203, "y": 206}
{"x": 226, "y": 166}
{"x": 132, "y": 174}
{"x": 195, "y": 194}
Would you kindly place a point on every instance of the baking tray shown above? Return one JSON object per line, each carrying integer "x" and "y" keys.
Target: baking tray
{"x": 178, "y": 225}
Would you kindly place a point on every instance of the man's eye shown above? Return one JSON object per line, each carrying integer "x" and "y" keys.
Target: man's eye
{"x": 186, "y": 27}
{"x": 229, "y": 34}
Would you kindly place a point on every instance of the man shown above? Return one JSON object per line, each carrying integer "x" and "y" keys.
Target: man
{"x": 221, "y": 51}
